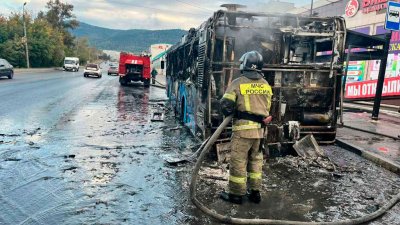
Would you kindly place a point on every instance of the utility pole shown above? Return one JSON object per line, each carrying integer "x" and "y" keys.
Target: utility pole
{"x": 25, "y": 37}
{"x": 312, "y": 5}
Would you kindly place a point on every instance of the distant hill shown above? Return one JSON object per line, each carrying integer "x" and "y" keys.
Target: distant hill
{"x": 135, "y": 40}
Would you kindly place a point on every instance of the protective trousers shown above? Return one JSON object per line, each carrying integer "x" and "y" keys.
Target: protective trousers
{"x": 246, "y": 162}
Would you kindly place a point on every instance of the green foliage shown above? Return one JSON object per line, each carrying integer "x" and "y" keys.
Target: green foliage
{"x": 45, "y": 45}
{"x": 104, "y": 57}
{"x": 60, "y": 15}
{"x": 11, "y": 43}
{"x": 49, "y": 37}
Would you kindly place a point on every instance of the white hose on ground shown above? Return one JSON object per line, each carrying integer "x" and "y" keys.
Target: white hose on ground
{"x": 232, "y": 220}
{"x": 160, "y": 85}
{"x": 159, "y": 82}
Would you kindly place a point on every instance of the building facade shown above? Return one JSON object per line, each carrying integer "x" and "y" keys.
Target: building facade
{"x": 368, "y": 17}
{"x": 157, "y": 52}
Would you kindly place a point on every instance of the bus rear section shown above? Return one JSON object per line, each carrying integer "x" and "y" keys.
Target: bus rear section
{"x": 303, "y": 62}
{"x": 134, "y": 68}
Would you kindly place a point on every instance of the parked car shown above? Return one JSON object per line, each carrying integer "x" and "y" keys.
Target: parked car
{"x": 113, "y": 70}
{"x": 92, "y": 70}
{"x": 6, "y": 69}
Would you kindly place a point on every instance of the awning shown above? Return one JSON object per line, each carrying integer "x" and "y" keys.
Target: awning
{"x": 363, "y": 40}
{"x": 367, "y": 46}
{"x": 158, "y": 56}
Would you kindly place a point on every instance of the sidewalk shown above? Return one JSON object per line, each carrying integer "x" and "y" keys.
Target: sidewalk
{"x": 358, "y": 132}
{"x": 386, "y": 125}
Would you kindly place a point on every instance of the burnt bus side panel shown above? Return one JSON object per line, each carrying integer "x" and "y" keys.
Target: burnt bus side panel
{"x": 187, "y": 82}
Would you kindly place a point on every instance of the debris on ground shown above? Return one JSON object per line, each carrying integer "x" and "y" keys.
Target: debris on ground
{"x": 309, "y": 150}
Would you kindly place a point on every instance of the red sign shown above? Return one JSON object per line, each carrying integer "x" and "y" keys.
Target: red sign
{"x": 367, "y": 89}
{"x": 352, "y": 8}
{"x": 373, "y": 5}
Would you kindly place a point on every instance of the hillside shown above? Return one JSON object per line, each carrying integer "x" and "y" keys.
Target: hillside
{"x": 135, "y": 40}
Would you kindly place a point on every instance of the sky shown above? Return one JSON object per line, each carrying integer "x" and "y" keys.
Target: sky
{"x": 139, "y": 14}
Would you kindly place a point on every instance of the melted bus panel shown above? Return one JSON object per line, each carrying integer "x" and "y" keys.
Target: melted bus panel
{"x": 303, "y": 59}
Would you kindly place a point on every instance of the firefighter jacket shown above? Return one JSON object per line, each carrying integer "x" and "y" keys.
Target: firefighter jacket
{"x": 252, "y": 94}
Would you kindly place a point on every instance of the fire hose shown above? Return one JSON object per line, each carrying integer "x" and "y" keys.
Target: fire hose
{"x": 160, "y": 85}
{"x": 233, "y": 220}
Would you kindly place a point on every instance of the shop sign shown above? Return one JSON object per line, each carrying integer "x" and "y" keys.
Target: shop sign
{"x": 352, "y": 8}
{"x": 394, "y": 46}
{"x": 367, "y": 89}
{"x": 373, "y": 5}
{"x": 355, "y": 71}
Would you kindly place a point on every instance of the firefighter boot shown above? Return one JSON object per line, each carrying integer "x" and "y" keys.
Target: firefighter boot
{"x": 254, "y": 196}
{"x": 237, "y": 199}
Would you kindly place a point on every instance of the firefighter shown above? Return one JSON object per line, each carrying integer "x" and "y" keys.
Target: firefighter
{"x": 249, "y": 99}
{"x": 154, "y": 73}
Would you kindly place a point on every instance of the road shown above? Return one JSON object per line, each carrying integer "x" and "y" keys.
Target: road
{"x": 81, "y": 146}
{"x": 77, "y": 150}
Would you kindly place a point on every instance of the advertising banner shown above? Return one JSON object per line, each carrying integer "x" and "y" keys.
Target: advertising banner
{"x": 355, "y": 71}
{"x": 367, "y": 89}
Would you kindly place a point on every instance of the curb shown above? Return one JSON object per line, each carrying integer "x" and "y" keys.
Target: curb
{"x": 393, "y": 112}
{"x": 37, "y": 70}
{"x": 375, "y": 158}
{"x": 371, "y": 132}
{"x": 371, "y": 104}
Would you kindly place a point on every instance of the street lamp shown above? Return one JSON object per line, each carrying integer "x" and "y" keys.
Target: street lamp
{"x": 25, "y": 37}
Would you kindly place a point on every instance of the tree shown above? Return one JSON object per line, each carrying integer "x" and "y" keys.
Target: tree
{"x": 11, "y": 45}
{"x": 104, "y": 56}
{"x": 46, "y": 44}
{"x": 49, "y": 37}
{"x": 60, "y": 16}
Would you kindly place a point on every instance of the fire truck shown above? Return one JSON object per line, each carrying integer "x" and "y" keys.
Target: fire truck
{"x": 134, "y": 68}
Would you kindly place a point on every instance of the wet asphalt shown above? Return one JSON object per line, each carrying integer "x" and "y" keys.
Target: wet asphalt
{"x": 77, "y": 150}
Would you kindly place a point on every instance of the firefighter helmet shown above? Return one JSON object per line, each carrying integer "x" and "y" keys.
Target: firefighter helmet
{"x": 251, "y": 61}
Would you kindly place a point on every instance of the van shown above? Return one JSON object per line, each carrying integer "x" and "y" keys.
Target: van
{"x": 71, "y": 64}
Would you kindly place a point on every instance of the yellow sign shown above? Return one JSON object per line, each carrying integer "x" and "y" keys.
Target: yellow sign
{"x": 255, "y": 89}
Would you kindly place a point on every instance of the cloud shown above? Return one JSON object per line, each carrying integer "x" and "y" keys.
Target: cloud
{"x": 137, "y": 14}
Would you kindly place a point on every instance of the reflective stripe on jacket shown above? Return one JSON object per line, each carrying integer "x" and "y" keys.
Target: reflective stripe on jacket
{"x": 252, "y": 96}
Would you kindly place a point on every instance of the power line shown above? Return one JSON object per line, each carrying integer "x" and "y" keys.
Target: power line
{"x": 189, "y": 4}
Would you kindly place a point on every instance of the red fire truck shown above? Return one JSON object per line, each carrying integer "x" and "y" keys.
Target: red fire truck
{"x": 134, "y": 68}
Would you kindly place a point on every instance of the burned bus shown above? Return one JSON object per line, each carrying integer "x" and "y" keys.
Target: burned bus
{"x": 303, "y": 62}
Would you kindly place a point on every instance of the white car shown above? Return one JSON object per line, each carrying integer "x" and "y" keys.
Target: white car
{"x": 92, "y": 70}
